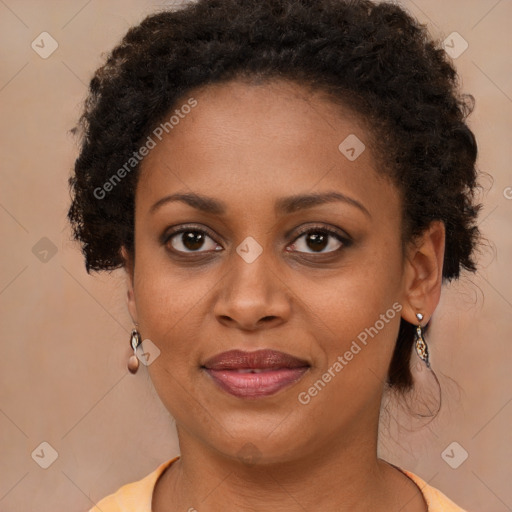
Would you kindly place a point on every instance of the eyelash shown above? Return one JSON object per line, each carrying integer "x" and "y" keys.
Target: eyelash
{"x": 345, "y": 241}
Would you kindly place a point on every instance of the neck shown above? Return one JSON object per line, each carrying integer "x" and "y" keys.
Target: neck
{"x": 346, "y": 475}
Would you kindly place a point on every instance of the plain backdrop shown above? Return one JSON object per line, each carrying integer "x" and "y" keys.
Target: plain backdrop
{"x": 64, "y": 334}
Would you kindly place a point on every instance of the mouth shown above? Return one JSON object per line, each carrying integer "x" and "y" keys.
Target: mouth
{"x": 253, "y": 375}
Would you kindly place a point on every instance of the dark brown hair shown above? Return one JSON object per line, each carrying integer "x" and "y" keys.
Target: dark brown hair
{"x": 374, "y": 56}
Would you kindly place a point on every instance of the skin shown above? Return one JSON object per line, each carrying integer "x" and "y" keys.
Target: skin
{"x": 248, "y": 145}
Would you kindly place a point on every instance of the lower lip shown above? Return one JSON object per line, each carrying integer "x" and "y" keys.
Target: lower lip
{"x": 255, "y": 385}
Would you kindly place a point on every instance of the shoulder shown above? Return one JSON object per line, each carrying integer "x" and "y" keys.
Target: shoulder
{"x": 133, "y": 496}
{"x": 436, "y": 500}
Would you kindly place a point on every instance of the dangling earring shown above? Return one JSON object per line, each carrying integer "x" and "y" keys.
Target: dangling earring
{"x": 135, "y": 341}
{"x": 421, "y": 345}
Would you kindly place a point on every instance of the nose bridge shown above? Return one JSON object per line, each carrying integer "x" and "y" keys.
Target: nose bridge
{"x": 252, "y": 291}
{"x": 251, "y": 272}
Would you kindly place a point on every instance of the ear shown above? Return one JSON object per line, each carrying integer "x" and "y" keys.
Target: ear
{"x": 129, "y": 269}
{"x": 423, "y": 274}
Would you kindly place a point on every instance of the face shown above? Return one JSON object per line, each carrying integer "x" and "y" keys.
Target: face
{"x": 258, "y": 263}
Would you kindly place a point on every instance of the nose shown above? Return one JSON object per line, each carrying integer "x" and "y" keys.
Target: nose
{"x": 253, "y": 296}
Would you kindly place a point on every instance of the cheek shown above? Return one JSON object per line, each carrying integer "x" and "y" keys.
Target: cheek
{"x": 166, "y": 305}
{"x": 367, "y": 286}
{"x": 356, "y": 355}
{"x": 166, "y": 311}
{"x": 165, "y": 294}
{"x": 362, "y": 311}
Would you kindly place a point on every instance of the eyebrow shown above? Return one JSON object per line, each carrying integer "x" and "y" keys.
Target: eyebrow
{"x": 283, "y": 205}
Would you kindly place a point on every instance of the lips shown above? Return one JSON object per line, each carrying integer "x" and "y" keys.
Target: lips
{"x": 254, "y": 374}
{"x": 258, "y": 360}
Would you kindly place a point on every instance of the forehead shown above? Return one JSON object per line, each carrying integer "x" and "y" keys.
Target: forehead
{"x": 243, "y": 113}
{"x": 244, "y": 138}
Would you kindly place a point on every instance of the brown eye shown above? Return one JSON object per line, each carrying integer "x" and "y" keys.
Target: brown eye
{"x": 191, "y": 240}
{"x": 317, "y": 240}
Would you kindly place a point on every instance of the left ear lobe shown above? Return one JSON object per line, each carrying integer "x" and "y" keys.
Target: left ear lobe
{"x": 424, "y": 273}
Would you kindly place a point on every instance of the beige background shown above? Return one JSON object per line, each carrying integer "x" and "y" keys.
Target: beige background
{"x": 64, "y": 334}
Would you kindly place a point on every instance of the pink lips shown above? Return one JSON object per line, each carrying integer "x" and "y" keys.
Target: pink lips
{"x": 254, "y": 374}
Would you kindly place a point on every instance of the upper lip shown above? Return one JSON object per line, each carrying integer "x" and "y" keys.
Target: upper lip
{"x": 259, "y": 359}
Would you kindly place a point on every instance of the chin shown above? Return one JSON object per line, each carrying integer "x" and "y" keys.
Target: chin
{"x": 261, "y": 448}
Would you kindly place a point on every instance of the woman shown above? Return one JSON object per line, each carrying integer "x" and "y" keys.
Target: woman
{"x": 287, "y": 183}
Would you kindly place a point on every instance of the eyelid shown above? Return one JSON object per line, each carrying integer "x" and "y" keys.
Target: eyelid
{"x": 169, "y": 233}
{"x": 341, "y": 236}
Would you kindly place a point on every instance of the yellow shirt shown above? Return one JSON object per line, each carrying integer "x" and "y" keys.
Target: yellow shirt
{"x": 137, "y": 496}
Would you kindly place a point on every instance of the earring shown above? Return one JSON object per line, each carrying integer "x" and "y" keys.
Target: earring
{"x": 421, "y": 344}
{"x": 135, "y": 341}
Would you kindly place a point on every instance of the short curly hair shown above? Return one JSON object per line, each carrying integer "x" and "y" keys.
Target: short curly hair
{"x": 373, "y": 57}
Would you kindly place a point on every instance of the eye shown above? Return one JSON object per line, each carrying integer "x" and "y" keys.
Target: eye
{"x": 313, "y": 240}
{"x": 318, "y": 239}
{"x": 191, "y": 240}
